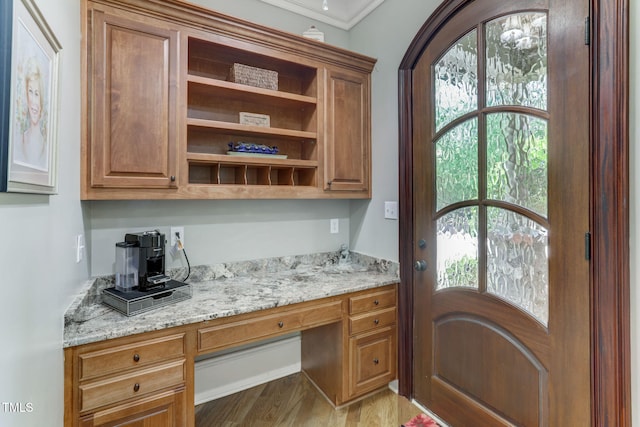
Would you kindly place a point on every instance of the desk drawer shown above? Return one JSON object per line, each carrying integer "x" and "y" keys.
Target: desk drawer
{"x": 142, "y": 353}
{"x": 372, "y": 301}
{"x": 218, "y": 337}
{"x": 373, "y": 320}
{"x": 141, "y": 382}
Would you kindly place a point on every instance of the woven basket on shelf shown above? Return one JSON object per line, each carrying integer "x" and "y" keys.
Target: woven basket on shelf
{"x": 253, "y": 76}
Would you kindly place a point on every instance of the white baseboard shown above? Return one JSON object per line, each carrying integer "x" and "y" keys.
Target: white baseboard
{"x": 230, "y": 373}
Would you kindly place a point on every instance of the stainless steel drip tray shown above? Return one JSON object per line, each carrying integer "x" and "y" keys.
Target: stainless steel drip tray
{"x": 136, "y": 302}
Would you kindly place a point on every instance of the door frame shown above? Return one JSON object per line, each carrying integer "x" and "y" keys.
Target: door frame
{"x": 609, "y": 223}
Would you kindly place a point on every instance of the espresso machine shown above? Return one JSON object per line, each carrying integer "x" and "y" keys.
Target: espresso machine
{"x": 148, "y": 252}
{"x": 140, "y": 280}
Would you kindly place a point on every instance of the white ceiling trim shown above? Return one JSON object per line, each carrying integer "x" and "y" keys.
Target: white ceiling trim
{"x": 341, "y": 14}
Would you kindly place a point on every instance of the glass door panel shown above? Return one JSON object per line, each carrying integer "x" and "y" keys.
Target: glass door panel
{"x": 517, "y": 262}
{"x": 457, "y": 164}
{"x": 457, "y": 240}
{"x": 516, "y": 61}
{"x": 517, "y": 160}
{"x": 456, "y": 80}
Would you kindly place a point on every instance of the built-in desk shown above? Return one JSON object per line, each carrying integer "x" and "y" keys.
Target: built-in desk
{"x": 119, "y": 369}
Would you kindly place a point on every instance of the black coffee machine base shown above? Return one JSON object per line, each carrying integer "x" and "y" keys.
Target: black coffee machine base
{"x": 139, "y": 301}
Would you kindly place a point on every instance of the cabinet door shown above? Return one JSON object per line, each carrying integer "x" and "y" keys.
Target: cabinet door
{"x": 372, "y": 361}
{"x": 133, "y": 99}
{"x": 163, "y": 410}
{"x": 347, "y": 131}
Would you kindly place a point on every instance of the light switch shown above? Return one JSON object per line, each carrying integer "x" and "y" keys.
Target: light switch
{"x": 79, "y": 247}
{"x": 391, "y": 210}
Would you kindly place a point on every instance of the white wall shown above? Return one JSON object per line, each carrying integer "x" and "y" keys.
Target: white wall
{"x": 384, "y": 34}
{"x": 220, "y": 231}
{"x": 37, "y": 256}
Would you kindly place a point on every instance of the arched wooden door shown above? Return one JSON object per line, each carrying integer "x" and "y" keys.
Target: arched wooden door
{"x": 500, "y": 141}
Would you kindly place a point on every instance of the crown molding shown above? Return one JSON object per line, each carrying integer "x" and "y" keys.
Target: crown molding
{"x": 341, "y": 14}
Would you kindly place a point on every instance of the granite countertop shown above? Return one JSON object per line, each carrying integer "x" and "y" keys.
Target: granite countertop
{"x": 228, "y": 289}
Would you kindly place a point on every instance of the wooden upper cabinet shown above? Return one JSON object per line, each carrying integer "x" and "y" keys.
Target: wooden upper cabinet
{"x": 133, "y": 84}
{"x": 347, "y": 131}
{"x": 160, "y": 108}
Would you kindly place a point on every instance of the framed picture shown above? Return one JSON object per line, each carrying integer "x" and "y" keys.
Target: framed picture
{"x": 29, "y": 63}
{"x": 255, "y": 119}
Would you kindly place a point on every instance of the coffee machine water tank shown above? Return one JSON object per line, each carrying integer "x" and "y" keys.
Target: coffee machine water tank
{"x": 127, "y": 261}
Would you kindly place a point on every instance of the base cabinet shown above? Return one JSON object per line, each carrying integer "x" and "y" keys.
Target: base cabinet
{"x": 147, "y": 380}
{"x": 372, "y": 354}
{"x": 142, "y": 380}
{"x": 349, "y": 360}
{"x": 161, "y": 410}
{"x": 372, "y": 361}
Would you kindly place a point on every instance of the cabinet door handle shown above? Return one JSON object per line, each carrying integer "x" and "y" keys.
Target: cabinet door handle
{"x": 173, "y": 178}
{"x": 280, "y": 324}
{"x": 136, "y": 387}
{"x": 376, "y": 321}
{"x": 136, "y": 357}
{"x": 376, "y": 302}
{"x": 376, "y": 361}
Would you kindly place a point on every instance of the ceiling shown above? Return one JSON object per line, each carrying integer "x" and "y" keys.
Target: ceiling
{"x": 343, "y": 14}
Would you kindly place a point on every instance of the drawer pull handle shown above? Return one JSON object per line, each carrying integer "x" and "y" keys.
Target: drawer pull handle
{"x": 136, "y": 357}
{"x": 376, "y": 302}
{"x": 376, "y": 361}
{"x": 376, "y": 321}
{"x": 280, "y": 324}
{"x": 136, "y": 387}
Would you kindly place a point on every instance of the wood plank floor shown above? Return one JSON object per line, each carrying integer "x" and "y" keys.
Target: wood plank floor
{"x": 294, "y": 401}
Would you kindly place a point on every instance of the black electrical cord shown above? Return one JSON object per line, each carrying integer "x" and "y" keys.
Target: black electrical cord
{"x": 181, "y": 246}
{"x": 188, "y": 265}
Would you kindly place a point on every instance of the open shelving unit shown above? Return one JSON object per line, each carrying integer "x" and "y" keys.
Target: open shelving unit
{"x": 214, "y": 104}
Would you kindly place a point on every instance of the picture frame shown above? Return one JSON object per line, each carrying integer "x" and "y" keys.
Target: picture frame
{"x": 255, "y": 119}
{"x": 29, "y": 79}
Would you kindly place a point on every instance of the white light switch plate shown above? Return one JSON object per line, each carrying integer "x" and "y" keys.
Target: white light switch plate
{"x": 391, "y": 210}
{"x": 335, "y": 226}
{"x": 79, "y": 248}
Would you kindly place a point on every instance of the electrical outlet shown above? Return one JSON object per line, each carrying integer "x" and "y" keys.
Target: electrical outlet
{"x": 334, "y": 227}
{"x": 391, "y": 210}
{"x": 174, "y": 239}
